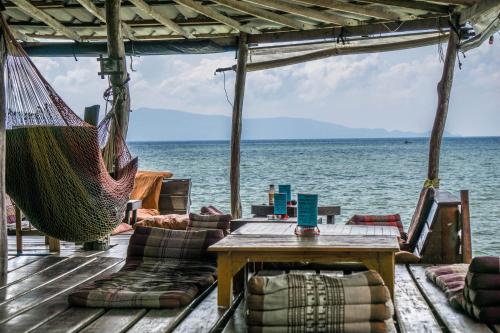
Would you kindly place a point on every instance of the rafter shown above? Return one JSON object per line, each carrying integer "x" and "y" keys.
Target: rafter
{"x": 264, "y": 14}
{"x": 380, "y": 13}
{"x": 466, "y": 3}
{"x": 40, "y": 15}
{"x": 305, "y": 12}
{"x": 100, "y": 14}
{"x": 215, "y": 15}
{"x": 412, "y": 4}
{"x": 167, "y": 22}
{"x": 21, "y": 36}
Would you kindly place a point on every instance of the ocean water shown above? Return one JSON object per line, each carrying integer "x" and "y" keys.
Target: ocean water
{"x": 372, "y": 176}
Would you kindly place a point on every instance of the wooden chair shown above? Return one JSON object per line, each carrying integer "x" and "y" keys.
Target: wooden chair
{"x": 439, "y": 232}
{"x": 175, "y": 196}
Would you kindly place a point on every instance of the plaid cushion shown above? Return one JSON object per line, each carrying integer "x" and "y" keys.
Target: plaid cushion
{"x": 485, "y": 264}
{"x": 483, "y": 281}
{"x": 164, "y": 269}
{"x": 449, "y": 278}
{"x": 486, "y": 314}
{"x": 211, "y": 210}
{"x": 148, "y": 283}
{"x": 365, "y": 327}
{"x": 296, "y": 301}
{"x": 381, "y": 220}
{"x": 167, "y": 243}
{"x": 210, "y": 218}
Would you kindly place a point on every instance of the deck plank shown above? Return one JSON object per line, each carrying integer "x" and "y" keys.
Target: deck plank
{"x": 32, "y": 268}
{"x": 237, "y": 323}
{"x": 56, "y": 316}
{"x": 412, "y": 311}
{"x": 39, "y": 280}
{"x": 204, "y": 316}
{"x": 115, "y": 320}
{"x": 455, "y": 321}
{"x": 19, "y": 305}
{"x": 157, "y": 321}
{"x": 20, "y": 261}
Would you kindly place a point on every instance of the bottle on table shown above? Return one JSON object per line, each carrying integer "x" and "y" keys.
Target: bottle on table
{"x": 271, "y": 195}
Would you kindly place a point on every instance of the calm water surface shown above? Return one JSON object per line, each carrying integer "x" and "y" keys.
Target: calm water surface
{"x": 373, "y": 176}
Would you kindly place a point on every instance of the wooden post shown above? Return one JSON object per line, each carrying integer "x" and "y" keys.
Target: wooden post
{"x": 3, "y": 216}
{"x": 119, "y": 80}
{"x": 466, "y": 232}
{"x": 444, "y": 89}
{"x": 19, "y": 232}
{"x": 239, "y": 92}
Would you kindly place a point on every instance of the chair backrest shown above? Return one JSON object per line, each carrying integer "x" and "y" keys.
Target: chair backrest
{"x": 175, "y": 196}
{"x": 419, "y": 218}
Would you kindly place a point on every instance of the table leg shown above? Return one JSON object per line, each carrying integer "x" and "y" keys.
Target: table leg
{"x": 127, "y": 216}
{"x": 134, "y": 216}
{"x": 386, "y": 270}
{"x": 224, "y": 280}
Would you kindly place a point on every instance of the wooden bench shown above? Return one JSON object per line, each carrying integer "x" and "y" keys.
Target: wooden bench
{"x": 422, "y": 307}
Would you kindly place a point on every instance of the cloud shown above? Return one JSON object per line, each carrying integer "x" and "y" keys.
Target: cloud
{"x": 394, "y": 90}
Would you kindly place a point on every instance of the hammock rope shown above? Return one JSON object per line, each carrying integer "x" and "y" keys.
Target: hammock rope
{"x": 55, "y": 171}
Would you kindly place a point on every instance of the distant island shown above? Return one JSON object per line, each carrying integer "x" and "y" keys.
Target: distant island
{"x": 170, "y": 125}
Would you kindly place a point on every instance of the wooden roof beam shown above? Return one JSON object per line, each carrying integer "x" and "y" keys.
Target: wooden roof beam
{"x": 215, "y": 15}
{"x": 466, "y": 3}
{"x": 167, "y": 22}
{"x": 100, "y": 14}
{"x": 264, "y": 14}
{"x": 412, "y": 4}
{"x": 305, "y": 12}
{"x": 40, "y": 15}
{"x": 21, "y": 36}
{"x": 379, "y": 13}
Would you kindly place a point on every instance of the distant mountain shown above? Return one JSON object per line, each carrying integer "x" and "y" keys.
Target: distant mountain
{"x": 170, "y": 125}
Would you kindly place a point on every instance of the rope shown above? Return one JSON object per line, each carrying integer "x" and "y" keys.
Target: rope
{"x": 431, "y": 183}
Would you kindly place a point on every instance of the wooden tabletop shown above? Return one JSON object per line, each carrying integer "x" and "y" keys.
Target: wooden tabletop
{"x": 280, "y": 236}
{"x": 322, "y": 243}
{"x": 279, "y": 228}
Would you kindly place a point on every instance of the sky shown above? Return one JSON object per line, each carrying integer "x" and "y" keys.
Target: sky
{"x": 392, "y": 90}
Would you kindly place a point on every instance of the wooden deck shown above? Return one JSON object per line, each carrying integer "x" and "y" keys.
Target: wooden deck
{"x": 35, "y": 298}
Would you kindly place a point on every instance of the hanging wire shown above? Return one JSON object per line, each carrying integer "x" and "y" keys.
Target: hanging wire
{"x": 225, "y": 90}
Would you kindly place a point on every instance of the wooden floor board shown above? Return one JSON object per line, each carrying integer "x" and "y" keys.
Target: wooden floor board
{"x": 52, "y": 316}
{"x": 115, "y": 320}
{"x": 32, "y": 268}
{"x": 68, "y": 320}
{"x": 20, "y": 261}
{"x": 237, "y": 323}
{"x": 455, "y": 321}
{"x": 156, "y": 321}
{"x": 204, "y": 316}
{"x": 47, "y": 292}
{"x": 36, "y": 281}
{"x": 412, "y": 311}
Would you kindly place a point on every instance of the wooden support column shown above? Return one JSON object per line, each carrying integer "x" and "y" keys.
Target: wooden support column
{"x": 443, "y": 89}
{"x": 3, "y": 216}
{"x": 239, "y": 92}
{"x": 116, "y": 50}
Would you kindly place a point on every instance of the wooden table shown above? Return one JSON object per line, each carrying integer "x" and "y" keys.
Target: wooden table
{"x": 373, "y": 246}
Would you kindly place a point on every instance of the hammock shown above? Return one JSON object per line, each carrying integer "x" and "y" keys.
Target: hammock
{"x": 55, "y": 171}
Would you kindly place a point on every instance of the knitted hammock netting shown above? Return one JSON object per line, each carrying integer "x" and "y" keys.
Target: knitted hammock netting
{"x": 55, "y": 172}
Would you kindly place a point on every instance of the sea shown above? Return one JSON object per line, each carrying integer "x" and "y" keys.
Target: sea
{"x": 363, "y": 176}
